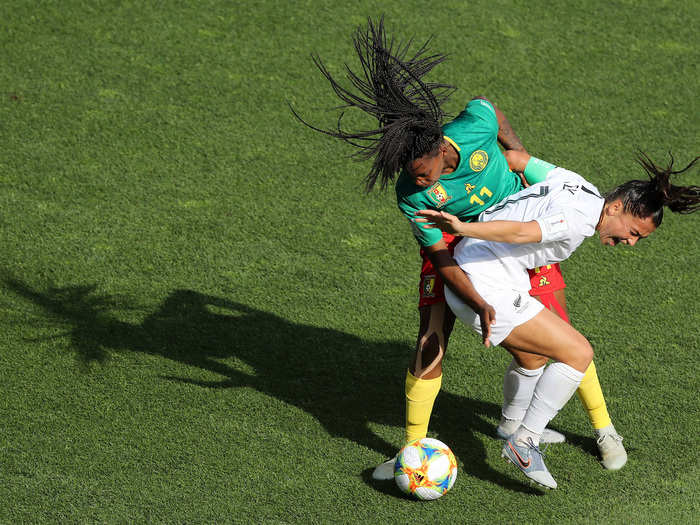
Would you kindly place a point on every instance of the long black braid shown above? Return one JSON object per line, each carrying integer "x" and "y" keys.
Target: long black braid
{"x": 648, "y": 198}
{"x": 390, "y": 88}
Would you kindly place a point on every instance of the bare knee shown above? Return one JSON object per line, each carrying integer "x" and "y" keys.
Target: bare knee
{"x": 436, "y": 322}
{"x": 581, "y": 356}
{"x": 427, "y": 361}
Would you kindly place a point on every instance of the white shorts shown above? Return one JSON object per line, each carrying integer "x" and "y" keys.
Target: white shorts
{"x": 512, "y": 307}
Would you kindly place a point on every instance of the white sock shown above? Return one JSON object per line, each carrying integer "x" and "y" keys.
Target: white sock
{"x": 518, "y": 386}
{"x": 556, "y": 386}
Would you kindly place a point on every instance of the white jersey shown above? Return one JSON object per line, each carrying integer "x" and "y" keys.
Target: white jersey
{"x": 567, "y": 208}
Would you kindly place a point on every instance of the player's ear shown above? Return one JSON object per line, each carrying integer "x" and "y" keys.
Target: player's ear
{"x": 615, "y": 207}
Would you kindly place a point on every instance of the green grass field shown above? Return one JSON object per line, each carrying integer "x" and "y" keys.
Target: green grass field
{"x": 205, "y": 320}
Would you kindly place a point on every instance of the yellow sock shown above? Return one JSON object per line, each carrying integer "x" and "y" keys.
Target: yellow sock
{"x": 591, "y": 395}
{"x": 420, "y": 396}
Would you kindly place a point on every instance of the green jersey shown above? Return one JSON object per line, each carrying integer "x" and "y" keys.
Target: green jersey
{"x": 481, "y": 179}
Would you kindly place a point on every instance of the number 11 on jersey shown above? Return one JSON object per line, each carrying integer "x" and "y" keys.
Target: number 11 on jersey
{"x": 483, "y": 191}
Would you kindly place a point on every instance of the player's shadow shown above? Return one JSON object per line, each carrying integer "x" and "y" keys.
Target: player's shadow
{"x": 347, "y": 383}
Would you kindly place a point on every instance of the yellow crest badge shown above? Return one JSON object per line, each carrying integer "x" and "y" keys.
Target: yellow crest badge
{"x": 438, "y": 195}
{"x": 428, "y": 286}
{"x": 478, "y": 160}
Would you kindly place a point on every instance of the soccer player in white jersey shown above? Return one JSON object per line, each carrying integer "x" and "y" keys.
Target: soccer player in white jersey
{"x": 541, "y": 225}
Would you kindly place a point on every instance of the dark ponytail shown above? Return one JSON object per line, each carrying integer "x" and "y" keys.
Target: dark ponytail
{"x": 648, "y": 198}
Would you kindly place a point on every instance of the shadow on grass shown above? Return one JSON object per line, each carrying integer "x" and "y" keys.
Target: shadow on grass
{"x": 345, "y": 382}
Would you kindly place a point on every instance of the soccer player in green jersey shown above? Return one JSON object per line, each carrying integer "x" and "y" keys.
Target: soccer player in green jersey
{"x": 479, "y": 175}
{"x": 456, "y": 167}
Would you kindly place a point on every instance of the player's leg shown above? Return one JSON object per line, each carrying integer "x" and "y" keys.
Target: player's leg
{"x": 548, "y": 287}
{"x": 521, "y": 377}
{"x": 553, "y": 296}
{"x": 549, "y": 336}
{"x": 523, "y": 325}
{"x": 424, "y": 377}
{"x": 424, "y": 374}
{"x": 519, "y": 383}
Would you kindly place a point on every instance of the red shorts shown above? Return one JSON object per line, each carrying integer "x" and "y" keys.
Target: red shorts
{"x": 546, "y": 279}
{"x": 543, "y": 280}
{"x": 432, "y": 288}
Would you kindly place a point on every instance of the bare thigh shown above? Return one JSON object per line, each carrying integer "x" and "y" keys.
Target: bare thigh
{"x": 532, "y": 361}
{"x": 548, "y": 336}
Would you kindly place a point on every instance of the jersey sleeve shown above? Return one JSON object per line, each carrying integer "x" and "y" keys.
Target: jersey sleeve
{"x": 567, "y": 223}
{"x": 424, "y": 236}
{"x": 482, "y": 113}
{"x": 537, "y": 170}
{"x": 579, "y": 216}
{"x": 556, "y": 225}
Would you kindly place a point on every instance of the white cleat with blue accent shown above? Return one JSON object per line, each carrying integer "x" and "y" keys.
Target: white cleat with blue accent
{"x": 530, "y": 460}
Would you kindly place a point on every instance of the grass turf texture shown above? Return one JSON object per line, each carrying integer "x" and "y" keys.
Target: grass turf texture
{"x": 205, "y": 320}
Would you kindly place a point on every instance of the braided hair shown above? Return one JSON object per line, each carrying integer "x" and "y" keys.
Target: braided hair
{"x": 647, "y": 198}
{"x": 390, "y": 88}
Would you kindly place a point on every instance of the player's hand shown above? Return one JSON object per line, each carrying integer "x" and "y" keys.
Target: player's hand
{"x": 523, "y": 180}
{"x": 439, "y": 219}
{"x": 487, "y": 317}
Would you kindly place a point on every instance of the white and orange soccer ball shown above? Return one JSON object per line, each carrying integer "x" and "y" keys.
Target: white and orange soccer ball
{"x": 425, "y": 468}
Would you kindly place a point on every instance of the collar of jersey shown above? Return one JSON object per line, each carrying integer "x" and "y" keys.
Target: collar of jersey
{"x": 459, "y": 150}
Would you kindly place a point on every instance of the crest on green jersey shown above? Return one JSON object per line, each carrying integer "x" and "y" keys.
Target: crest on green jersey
{"x": 438, "y": 195}
{"x": 478, "y": 160}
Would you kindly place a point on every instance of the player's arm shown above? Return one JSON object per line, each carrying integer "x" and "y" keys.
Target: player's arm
{"x": 459, "y": 283}
{"x": 533, "y": 170}
{"x": 513, "y": 232}
{"x": 517, "y": 160}
{"x": 506, "y": 136}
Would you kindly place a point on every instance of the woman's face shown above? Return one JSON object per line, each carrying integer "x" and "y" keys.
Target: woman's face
{"x": 617, "y": 226}
{"x": 426, "y": 170}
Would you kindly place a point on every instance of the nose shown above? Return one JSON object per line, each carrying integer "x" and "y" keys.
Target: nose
{"x": 632, "y": 241}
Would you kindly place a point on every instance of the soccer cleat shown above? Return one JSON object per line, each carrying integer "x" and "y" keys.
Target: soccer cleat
{"x": 385, "y": 470}
{"x": 612, "y": 451}
{"x": 548, "y": 435}
{"x": 530, "y": 460}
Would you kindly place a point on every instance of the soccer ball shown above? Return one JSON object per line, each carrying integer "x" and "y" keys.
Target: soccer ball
{"x": 425, "y": 468}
